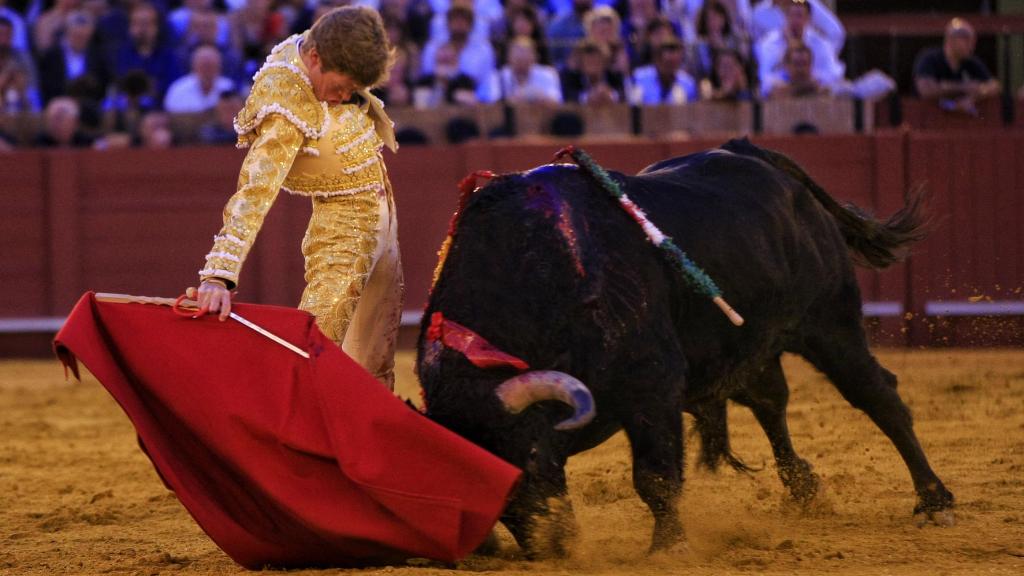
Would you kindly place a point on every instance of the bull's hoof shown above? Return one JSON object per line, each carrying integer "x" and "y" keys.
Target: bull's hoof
{"x": 934, "y": 506}
{"x": 553, "y": 535}
{"x": 668, "y": 535}
{"x": 802, "y": 482}
{"x": 942, "y": 518}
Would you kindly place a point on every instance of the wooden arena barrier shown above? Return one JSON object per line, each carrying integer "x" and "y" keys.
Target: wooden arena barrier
{"x": 826, "y": 114}
{"x": 921, "y": 114}
{"x": 140, "y": 221}
{"x": 699, "y": 118}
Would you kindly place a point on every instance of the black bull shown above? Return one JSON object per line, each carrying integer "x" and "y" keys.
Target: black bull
{"x": 547, "y": 267}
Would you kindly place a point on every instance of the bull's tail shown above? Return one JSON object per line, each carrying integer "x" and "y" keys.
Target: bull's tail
{"x": 710, "y": 422}
{"x": 872, "y": 243}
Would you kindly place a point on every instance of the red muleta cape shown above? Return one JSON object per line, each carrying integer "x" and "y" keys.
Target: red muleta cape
{"x": 285, "y": 461}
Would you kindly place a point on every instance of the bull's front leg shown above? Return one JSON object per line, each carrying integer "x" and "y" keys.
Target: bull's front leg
{"x": 540, "y": 516}
{"x": 655, "y": 433}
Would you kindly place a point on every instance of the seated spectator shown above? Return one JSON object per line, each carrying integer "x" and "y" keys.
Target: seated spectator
{"x": 555, "y": 8}
{"x": 687, "y": 14}
{"x": 60, "y": 126}
{"x": 953, "y": 75}
{"x": 446, "y": 84}
{"x": 658, "y": 30}
{"x": 797, "y": 81}
{"x": 221, "y": 130}
{"x": 770, "y": 15}
{"x": 17, "y": 74}
{"x": 475, "y": 58}
{"x": 133, "y": 96}
{"x": 589, "y": 79}
{"x": 665, "y": 81}
{"x": 418, "y": 17}
{"x": 566, "y": 29}
{"x": 180, "y": 21}
{"x": 395, "y": 10}
{"x": 485, "y": 14}
{"x": 715, "y": 33}
{"x": 73, "y": 57}
{"x": 398, "y": 36}
{"x": 255, "y": 30}
{"x": 204, "y": 28}
{"x": 827, "y": 69}
{"x": 145, "y": 51}
{"x": 154, "y": 131}
{"x": 50, "y": 24}
{"x": 639, "y": 16}
{"x": 111, "y": 33}
{"x": 521, "y": 20}
{"x": 199, "y": 90}
{"x": 397, "y": 90}
{"x": 604, "y": 27}
{"x": 19, "y": 34}
{"x": 728, "y": 80}
{"x": 524, "y": 80}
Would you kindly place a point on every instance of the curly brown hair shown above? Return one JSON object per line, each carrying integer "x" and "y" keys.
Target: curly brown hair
{"x": 352, "y": 40}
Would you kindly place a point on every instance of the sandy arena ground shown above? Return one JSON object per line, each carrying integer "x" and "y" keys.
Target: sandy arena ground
{"x": 78, "y": 497}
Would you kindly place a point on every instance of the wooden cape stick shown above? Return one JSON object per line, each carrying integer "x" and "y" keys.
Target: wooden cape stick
{"x": 192, "y": 304}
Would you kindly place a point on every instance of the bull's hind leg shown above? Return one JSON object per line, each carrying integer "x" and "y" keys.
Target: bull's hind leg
{"x": 655, "y": 432}
{"x": 844, "y": 357}
{"x": 767, "y": 396}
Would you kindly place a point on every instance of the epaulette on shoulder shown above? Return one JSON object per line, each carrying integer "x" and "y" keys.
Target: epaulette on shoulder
{"x": 281, "y": 88}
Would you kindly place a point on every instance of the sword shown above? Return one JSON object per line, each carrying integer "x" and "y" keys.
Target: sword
{"x": 182, "y": 302}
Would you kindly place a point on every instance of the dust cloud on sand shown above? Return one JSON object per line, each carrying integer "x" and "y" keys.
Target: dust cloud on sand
{"x": 77, "y": 496}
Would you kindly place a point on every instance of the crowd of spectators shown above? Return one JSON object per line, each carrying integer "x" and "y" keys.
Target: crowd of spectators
{"x": 106, "y": 73}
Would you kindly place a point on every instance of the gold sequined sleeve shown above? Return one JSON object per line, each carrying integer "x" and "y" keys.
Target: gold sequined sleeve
{"x": 277, "y": 141}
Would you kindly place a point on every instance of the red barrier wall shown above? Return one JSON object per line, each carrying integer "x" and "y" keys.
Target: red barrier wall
{"x": 24, "y": 235}
{"x": 140, "y": 221}
{"x": 975, "y": 253}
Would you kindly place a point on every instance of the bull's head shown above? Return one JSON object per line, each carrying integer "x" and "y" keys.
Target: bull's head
{"x": 519, "y": 392}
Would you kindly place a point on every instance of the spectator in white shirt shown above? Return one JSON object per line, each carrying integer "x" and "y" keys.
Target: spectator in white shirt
{"x": 199, "y": 90}
{"x": 485, "y": 14}
{"x": 475, "y": 57}
{"x": 827, "y": 69}
{"x": 770, "y": 15}
{"x": 796, "y": 81}
{"x": 523, "y": 80}
{"x": 665, "y": 81}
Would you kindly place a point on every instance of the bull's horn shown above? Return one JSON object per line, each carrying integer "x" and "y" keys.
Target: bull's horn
{"x": 521, "y": 391}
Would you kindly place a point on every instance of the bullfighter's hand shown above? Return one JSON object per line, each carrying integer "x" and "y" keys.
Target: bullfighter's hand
{"x": 214, "y": 297}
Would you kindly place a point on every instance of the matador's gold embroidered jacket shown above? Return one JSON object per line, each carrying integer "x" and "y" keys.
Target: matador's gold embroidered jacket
{"x": 299, "y": 144}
